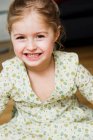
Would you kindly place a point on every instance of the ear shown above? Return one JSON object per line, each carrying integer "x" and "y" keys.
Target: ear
{"x": 57, "y": 34}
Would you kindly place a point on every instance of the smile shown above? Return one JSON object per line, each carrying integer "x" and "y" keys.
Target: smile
{"x": 33, "y": 56}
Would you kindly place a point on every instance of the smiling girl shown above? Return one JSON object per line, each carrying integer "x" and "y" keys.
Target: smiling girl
{"x": 42, "y": 81}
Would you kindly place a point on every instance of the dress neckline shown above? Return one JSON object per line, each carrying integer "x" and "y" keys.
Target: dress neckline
{"x": 53, "y": 92}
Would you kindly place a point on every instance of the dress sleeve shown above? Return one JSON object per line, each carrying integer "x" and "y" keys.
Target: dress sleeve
{"x": 84, "y": 82}
{"x": 5, "y": 89}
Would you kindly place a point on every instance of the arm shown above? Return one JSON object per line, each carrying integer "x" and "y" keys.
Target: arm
{"x": 84, "y": 82}
{"x": 5, "y": 88}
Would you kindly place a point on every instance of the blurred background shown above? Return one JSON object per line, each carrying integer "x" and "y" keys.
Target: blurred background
{"x": 4, "y": 36}
{"x": 77, "y": 19}
{"x": 4, "y": 4}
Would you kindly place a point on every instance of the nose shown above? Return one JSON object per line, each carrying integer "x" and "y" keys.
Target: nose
{"x": 31, "y": 45}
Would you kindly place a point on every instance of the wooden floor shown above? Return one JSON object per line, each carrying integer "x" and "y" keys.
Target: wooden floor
{"x": 86, "y": 58}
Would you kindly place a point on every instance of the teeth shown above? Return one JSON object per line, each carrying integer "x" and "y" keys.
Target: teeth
{"x": 33, "y": 54}
{"x": 30, "y": 54}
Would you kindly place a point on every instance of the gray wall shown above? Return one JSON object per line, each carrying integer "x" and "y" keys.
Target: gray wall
{"x": 4, "y": 5}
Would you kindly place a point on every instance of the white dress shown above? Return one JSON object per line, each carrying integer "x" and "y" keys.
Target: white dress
{"x": 60, "y": 117}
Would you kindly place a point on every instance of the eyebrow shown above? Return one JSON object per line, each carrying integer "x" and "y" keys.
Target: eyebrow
{"x": 42, "y": 32}
{"x": 19, "y": 34}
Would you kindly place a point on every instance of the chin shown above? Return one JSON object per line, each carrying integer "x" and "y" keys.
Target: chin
{"x": 32, "y": 64}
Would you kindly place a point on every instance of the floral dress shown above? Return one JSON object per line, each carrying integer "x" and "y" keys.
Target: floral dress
{"x": 60, "y": 117}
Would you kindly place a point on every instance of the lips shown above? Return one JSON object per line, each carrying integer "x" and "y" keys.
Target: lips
{"x": 33, "y": 56}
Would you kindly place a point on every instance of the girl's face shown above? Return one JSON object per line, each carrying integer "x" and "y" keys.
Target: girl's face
{"x": 33, "y": 40}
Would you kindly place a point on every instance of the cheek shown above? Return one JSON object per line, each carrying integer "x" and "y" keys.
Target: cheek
{"x": 17, "y": 48}
{"x": 46, "y": 45}
{"x": 49, "y": 48}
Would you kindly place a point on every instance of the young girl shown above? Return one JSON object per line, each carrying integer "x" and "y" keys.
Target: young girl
{"x": 41, "y": 81}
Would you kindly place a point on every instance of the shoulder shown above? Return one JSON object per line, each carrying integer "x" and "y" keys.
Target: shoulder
{"x": 11, "y": 63}
{"x": 66, "y": 61}
{"x": 13, "y": 68}
{"x": 66, "y": 57}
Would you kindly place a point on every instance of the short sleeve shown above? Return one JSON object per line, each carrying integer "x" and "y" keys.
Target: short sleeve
{"x": 5, "y": 88}
{"x": 84, "y": 82}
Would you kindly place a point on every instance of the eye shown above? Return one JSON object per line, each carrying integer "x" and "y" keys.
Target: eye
{"x": 20, "y": 37}
{"x": 40, "y": 36}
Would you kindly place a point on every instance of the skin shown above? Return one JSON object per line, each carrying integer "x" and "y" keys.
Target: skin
{"x": 33, "y": 41}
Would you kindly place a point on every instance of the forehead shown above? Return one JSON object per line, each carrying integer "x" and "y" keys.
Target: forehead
{"x": 31, "y": 20}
